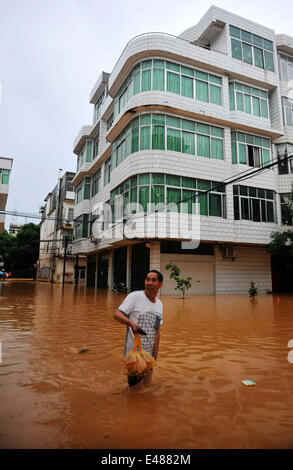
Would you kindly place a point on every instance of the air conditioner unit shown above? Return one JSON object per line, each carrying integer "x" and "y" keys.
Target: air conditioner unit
{"x": 68, "y": 223}
{"x": 229, "y": 252}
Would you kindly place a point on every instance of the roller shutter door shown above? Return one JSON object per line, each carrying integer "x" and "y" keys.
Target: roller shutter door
{"x": 199, "y": 268}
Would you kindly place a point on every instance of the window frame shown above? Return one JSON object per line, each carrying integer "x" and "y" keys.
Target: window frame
{"x": 257, "y": 43}
{"x": 127, "y": 186}
{"x": 248, "y": 195}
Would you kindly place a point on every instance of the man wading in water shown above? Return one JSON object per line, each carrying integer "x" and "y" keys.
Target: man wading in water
{"x": 142, "y": 309}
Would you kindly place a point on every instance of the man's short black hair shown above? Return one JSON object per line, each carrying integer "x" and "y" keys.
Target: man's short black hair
{"x": 160, "y": 275}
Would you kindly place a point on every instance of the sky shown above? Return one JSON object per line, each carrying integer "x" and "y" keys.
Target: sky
{"x": 51, "y": 54}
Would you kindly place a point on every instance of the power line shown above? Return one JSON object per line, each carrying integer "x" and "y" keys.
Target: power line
{"x": 237, "y": 177}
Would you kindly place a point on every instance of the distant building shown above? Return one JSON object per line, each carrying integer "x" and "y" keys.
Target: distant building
{"x": 5, "y": 169}
{"x": 56, "y": 233}
{"x": 15, "y": 228}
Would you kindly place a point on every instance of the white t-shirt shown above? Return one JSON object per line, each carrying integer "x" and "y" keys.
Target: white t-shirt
{"x": 148, "y": 315}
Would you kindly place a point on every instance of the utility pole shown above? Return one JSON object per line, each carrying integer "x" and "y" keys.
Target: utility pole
{"x": 53, "y": 258}
{"x": 76, "y": 270}
{"x": 64, "y": 257}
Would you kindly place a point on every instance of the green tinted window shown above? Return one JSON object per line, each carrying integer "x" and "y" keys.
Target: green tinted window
{"x": 203, "y": 184}
{"x": 234, "y": 152}
{"x": 173, "y": 82}
{"x": 157, "y": 195}
{"x": 146, "y": 80}
{"x": 136, "y": 83}
{"x": 247, "y": 53}
{"x": 264, "y": 108}
{"x": 242, "y": 153}
{"x": 187, "y": 125}
{"x": 217, "y": 148}
{"x": 203, "y": 146}
{"x": 144, "y": 196}
{"x": 173, "y": 180}
{"x": 134, "y": 141}
{"x": 144, "y": 179}
{"x": 157, "y": 178}
{"x": 188, "y": 205}
{"x": 158, "y": 119}
{"x": 231, "y": 97}
{"x": 172, "y": 66}
{"x": 173, "y": 197}
{"x": 187, "y": 71}
{"x": 258, "y": 57}
{"x": 173, "y": 121}
{"x": 215, "y": 94}
{"x": 147, "y": 64}
{"x": 247, "y": 104}
{"x": 159, "y": 79}
{"x": 269, "y": 61}
{"x": 215, "y": 205}
{"x": 158, "y": 138}
{"x": 236, "y": 49}
{"x": 145, "y": 135}
{"x": 235, "y": 32}
{"x": 239, "y": 101}
{"x": 255, "y": 106}
{"x": 188, "y": 143}
{"x": 202, "y": 91}
{"x": 188, "y": 182}
{"x": 203, "y": 201}
{"x": 187, "y": 87}
{"x": 145, "y": 119}
{"x": 173, "y": 140}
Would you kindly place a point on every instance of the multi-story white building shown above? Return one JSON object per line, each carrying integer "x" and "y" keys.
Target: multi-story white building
{"x": 177, "y": 118}
{"x": 56, "y": 231}
{"x": 5, "y": 169}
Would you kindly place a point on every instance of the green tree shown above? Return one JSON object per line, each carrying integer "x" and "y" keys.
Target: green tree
{"x": 20, "y": 253}
{"x": 281, "y": 244}
{"x": 6, "y": 244}
{"x": 287, "y": 209}
{"x": 281, "y": 248}
{"x": 252, "y": 290}
{"x": 182, "y": 284}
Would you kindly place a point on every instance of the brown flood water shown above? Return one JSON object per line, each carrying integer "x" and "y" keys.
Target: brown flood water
{"x": 51, "y": 396}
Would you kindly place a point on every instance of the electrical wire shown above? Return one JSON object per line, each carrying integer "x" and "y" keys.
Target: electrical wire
{"x": 237, "y": 177}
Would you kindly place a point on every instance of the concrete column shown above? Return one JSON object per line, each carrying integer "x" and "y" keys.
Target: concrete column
{"x": 96, "y": 274}
{"x": 128, "y": 268}
{"x": 110, "y": 269}
{"x": 278, "y": 209}
{"x": 155, "y": 255}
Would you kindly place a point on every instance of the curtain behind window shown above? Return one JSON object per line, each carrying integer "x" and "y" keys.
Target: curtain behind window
{"x": 203, "y": 146}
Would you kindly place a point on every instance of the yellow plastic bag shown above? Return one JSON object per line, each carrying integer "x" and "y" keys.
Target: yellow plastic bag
{"x": 138, "y": 361}
{"x": 150, "y": 361}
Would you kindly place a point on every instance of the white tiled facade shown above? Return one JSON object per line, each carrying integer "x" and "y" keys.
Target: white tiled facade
{"x": 56, "y": 225}
{"x": 5, "y": 169}
{"x": 205, "y": 47}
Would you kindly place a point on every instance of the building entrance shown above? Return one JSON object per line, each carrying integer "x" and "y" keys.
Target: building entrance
{"x": 120, "y": 262}
{"x": 102, "y": 281}
{"x": 91, "y": 271}
{"x": 140, "y": 264}
{"x": 282, "y": 273}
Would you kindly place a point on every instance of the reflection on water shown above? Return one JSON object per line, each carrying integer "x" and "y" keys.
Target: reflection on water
{"x": 54, "y": 396}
